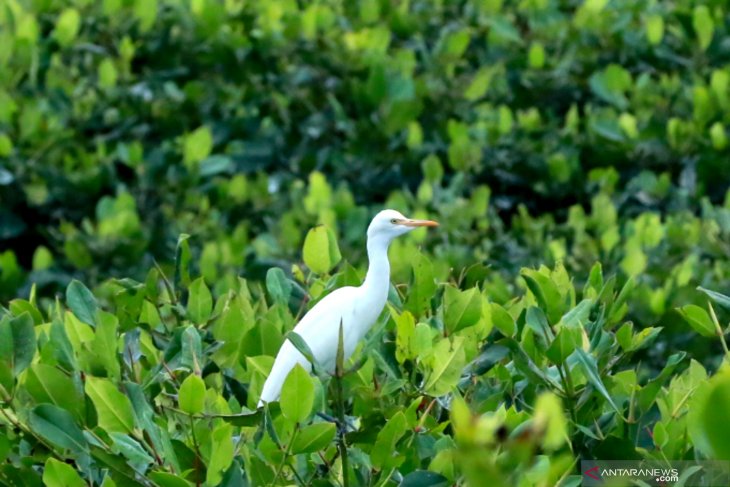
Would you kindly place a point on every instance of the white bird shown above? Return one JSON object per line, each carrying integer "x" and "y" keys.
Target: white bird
{"x": 356, "y": 307}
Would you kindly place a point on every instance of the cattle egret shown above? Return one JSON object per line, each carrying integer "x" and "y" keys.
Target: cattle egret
{"x": 356, "y": 307}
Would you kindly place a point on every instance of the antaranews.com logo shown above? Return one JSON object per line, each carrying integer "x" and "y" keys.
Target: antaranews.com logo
{"x": 655, "y": 473}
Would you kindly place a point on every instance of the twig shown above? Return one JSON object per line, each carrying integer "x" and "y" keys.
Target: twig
{"x": 286, "y": 455}
{"x": 197, "y": 451}
{"x": 719, "y": 330}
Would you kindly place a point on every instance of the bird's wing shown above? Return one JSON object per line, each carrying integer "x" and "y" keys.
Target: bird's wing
{"x": 319, "y": 328}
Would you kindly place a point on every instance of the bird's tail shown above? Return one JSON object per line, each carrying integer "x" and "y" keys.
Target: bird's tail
{"x": 286, "y": 359}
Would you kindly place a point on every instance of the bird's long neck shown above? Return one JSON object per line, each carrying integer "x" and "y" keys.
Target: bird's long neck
{"x": 377, "y": 280}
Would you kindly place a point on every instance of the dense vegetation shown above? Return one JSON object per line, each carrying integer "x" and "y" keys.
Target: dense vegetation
{"x": 174, "y": 156}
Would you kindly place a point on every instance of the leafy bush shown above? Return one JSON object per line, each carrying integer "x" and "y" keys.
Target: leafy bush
{"x": 159, "y": 385}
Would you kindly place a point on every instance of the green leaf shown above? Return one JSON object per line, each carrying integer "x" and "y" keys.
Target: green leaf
{"x": 502, "y": 320}
{"x": 424, "y": 478}
{"x": 649, "y": 392}
{"x": 550, "y": 419}
{"x": 703, "y": 25}
{"x": 146, "y": 13}
{"x": 564, "y": 344}
{"x": 221, "y": 447}
{"x": 81, "y": 302}
{"x": 321, "y": 252}
{"x": 17, "y": 343}
{"x": 130, "y": 449}
{"x": 479, "y": 84}
{"x": 279, "y": 287}
{"x": 546, "y": 293}
{"x": 433, "y": 169}
{"x": 535, "y": 320}
{"x": 297, "y": 395}
{"x": 576, "y": 317}
{"x": 718, "y": 136}
{"x": 251, "y": 418}
{"x": 112, "y": 407}
{"x": 107, "y": 73}
{"x": 698, "y": 319}
{"x": 191, "y": 396}
{"x": 384, "y": 453}
{"x": 262, "y": 339}
{"x": 720, "y": 299}
{"x": 20, "y": 306}
{"x": 164, "y": 479}
{"x": 182, "y": 262}
{"x": 423, "y": 286}
{"x": 453, "y": 44}
{"x": 301, "y": 345}
{"x": 200, "y": 302}
{"x": 197, "y": 146}
{"x": 462, "y": 309}
{"x": 611, "y": 84}
{"x": 314, "y": 438}
{"x": 48, "y": 384}
{"x": 446, "y": 363}
{"x": 654, "y": 29}
{"x": 146, "y": 420}
{"x": 591, "y": 371}
{"x": 191, "y": 352}
{"x": 707, "y": 419}
{"x": 59, "y": 474}
{"x": 405, "y": 326}
{"x": 58, "y": 427}
{"x": 536, "y": 55}
{"x": 617, "y": 309}
{"x": 228, "y": 331}
{"x": 67, "y": 26}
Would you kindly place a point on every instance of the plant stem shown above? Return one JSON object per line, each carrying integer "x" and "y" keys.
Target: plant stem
{"x": 286, "y": 455}
{"x": 719, "y": 330}
{"x": 197, "y": 450}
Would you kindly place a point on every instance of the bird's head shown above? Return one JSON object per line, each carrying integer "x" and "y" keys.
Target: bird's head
{"x": 391, "y": 224}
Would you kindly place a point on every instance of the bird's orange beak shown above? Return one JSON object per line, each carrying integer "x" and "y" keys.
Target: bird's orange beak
{"x": 419, "y": 223}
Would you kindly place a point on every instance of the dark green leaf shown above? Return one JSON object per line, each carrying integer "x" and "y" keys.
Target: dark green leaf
{"x": 314, "y": 437}
{"x": 57, "y": 426}
{"x": 423, "y": 478}
{"x": 17, "y": 343}
{"x": 82, "y": 302}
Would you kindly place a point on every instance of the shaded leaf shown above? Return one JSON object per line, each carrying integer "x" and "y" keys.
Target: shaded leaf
{"x": 57, "y": 426}
{"x": 314, "y": 437}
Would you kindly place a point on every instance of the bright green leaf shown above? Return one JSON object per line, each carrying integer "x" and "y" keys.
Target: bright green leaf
{"x": 191, "y": 396}
{"x": 59, "y": 474}
{"x": 698, "y": 319}
{"x": 112, "y": 407}
{"x": 297, "y": 395}
{"x": 321, "y": 252}
{"x": 200, "y": 302}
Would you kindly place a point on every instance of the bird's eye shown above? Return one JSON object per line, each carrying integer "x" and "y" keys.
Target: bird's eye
{"x": 393, "y": 221}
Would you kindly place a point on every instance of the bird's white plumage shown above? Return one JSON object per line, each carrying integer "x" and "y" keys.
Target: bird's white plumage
{"x": 356, "y": 307}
